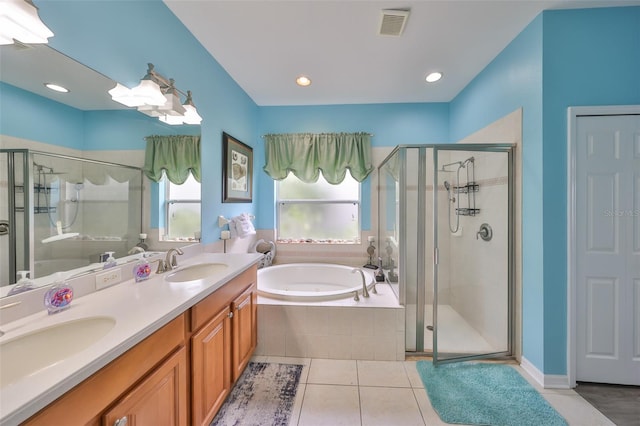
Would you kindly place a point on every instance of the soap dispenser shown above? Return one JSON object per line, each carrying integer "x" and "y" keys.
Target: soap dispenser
{"x": 111, "y": 261}
{"x": 141, "y": 270}
{"x": 23, "y": 284}
{"x": 59, "y": 296}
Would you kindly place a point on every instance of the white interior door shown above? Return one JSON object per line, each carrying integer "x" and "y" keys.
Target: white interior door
{"x": 608, "y": 249}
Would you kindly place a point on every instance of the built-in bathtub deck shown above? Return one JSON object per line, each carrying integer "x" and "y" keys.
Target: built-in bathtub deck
{"x": 371, "y": 329}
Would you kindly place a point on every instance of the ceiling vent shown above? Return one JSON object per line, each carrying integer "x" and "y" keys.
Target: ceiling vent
{"x": 393, "y": 22}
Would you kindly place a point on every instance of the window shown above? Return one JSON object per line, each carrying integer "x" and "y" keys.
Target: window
{"x": 182, "y": 202}
{"x": 318, "y": 212}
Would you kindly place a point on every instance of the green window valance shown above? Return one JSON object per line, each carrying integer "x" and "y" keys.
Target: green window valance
{"x": 177, "y": 155}
{"x": 306, "y": 154}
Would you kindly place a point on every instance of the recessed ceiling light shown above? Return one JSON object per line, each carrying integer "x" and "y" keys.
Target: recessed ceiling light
{"x": 433, "y": 77}
{"x": 303, "y": 81}
{"x": 57, "y": 88}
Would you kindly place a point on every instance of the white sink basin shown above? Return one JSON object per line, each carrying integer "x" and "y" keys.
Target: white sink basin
{"x": 196, "y": 272}
{"x": 32, "y": 352}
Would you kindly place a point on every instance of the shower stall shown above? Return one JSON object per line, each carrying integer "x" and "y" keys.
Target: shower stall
{"x": 59, "y": 212}
{"x": 446, "y": 232}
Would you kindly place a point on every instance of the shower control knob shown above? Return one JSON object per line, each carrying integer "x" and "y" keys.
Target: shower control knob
{"x": 485, "y": 232}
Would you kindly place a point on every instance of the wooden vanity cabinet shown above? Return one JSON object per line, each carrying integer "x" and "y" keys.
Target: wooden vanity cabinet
{"x": 144, "y": 378}
{"x": 210, "y": 367}
{"x": 160, "y": 400}
{"x": 224, "y": 337}
{"x": 244, "y": 326}
{"x": 178, "y": 376}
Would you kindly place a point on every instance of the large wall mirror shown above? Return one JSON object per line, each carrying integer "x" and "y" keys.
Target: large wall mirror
{"x": 68, "y": 196}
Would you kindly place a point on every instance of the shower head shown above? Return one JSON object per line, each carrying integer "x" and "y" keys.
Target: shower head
{"x": 444, "y": 166}
{"x": 447, "y": 186}
{"x": 467, "y": 161}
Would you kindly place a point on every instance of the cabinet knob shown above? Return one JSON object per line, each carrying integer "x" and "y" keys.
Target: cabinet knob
{"x": 230, "y": 315}
{"x": 122, "y": 421}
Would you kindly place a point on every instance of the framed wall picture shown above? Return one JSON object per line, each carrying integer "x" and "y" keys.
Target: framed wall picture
{"x": 237, "y": 170}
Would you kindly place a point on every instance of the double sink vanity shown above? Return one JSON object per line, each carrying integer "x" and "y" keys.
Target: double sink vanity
{"x": 162, "y": 351}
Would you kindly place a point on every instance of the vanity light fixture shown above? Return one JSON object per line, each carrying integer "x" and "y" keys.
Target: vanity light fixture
{"x": 56, "y": 87}
{"x": 190, "y": 116}
{"x": 303, "y": 81}
{"x": 157, "y": 96}
{"x": 19, "y": 20}
{"x": 433, "y": 77}
{"x": 171, "y": 106}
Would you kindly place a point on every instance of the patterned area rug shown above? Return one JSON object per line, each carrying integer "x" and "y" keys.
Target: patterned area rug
{"x": 485, "y": 394}
{"x": 263, "y": 396}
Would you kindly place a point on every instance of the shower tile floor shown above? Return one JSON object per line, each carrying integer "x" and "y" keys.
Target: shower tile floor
{"x": 389, "y": 393}
{"x": 455, "y": 334}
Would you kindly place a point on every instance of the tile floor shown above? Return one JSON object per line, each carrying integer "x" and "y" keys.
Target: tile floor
{"x": 389, "y": 393}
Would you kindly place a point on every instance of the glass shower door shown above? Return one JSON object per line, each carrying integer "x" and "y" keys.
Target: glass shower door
{"x": 470, "y": 311}
{"x": 15, "y": 217}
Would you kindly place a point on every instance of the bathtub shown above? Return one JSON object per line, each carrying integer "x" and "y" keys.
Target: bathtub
{"x": 311, "y": 281}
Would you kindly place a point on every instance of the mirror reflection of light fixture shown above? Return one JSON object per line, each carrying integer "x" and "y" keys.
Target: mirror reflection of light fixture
{"x": 157, "y": 96}
{"x": 19, "y": 20}
{"x": 124, "y": 96}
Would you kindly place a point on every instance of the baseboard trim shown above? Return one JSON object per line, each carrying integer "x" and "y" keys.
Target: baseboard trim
{"x": 547, "y": 381}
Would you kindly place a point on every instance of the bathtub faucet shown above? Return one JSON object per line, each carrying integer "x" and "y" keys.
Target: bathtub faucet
{"x": 365, "y": 292}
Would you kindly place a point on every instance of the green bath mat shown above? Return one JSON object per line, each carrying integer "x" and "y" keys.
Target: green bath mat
{"x": 485, "y": 394}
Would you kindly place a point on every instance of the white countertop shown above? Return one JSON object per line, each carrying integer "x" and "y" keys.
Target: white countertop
{"x": 139, "y": 310}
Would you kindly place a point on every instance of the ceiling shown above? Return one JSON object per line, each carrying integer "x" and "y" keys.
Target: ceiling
{"x": 29, "y": 67}
{"x": 265, "y": 45}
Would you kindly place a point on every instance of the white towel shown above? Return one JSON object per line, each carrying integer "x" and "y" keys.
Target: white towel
{"x": 241, "y": 226}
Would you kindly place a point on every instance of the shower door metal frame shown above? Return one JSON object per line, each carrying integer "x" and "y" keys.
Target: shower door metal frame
{"x": 11, "y": 206}
{"x": 508, "y": 149}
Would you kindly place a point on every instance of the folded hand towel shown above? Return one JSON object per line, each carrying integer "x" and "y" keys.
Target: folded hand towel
{"x": 241, "y": 226}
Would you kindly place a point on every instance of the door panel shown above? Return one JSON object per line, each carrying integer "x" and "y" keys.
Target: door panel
{"x": 607, "y": 257}
{"x": 602, "y": 305}
{"x": 602, "y": 234}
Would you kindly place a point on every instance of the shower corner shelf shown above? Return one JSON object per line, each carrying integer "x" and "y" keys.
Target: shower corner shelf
{"x": 465, "y": 189}
{"x": 36, "y": 189}
{"x": 467, "y": 212}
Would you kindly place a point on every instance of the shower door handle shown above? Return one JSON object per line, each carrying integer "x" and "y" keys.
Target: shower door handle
{"x": 4, "y": 227}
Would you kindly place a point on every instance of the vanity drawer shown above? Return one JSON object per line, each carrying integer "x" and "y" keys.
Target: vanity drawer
{"x": 202, "y": 312}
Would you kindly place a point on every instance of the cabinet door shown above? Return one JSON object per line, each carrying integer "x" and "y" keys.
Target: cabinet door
{"x": 160, "y": 399}
{"x": 211, "y": 367}
{"x": 244, "y": 324}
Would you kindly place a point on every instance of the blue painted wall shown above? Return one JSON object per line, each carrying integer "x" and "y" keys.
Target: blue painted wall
{"x": 558, "y": 61}
{"x": 514, "y": 80}
{"x": 118, "y": 38}
{"x": 58, "y": 124}
{"x": 125, "y": 130}
{"x": 390, "y": 124}
{"x": 591, "y": 57}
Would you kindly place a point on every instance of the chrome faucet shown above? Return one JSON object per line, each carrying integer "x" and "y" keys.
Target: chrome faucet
{"x": 171, "y": 261}
{"x": 365, "y": 292}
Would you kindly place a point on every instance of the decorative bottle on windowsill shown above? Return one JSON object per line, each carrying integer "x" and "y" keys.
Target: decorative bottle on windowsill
{"x": 379, "y": 272}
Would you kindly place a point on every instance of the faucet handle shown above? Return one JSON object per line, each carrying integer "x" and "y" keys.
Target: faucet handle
{"x": 162, "y": 266}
